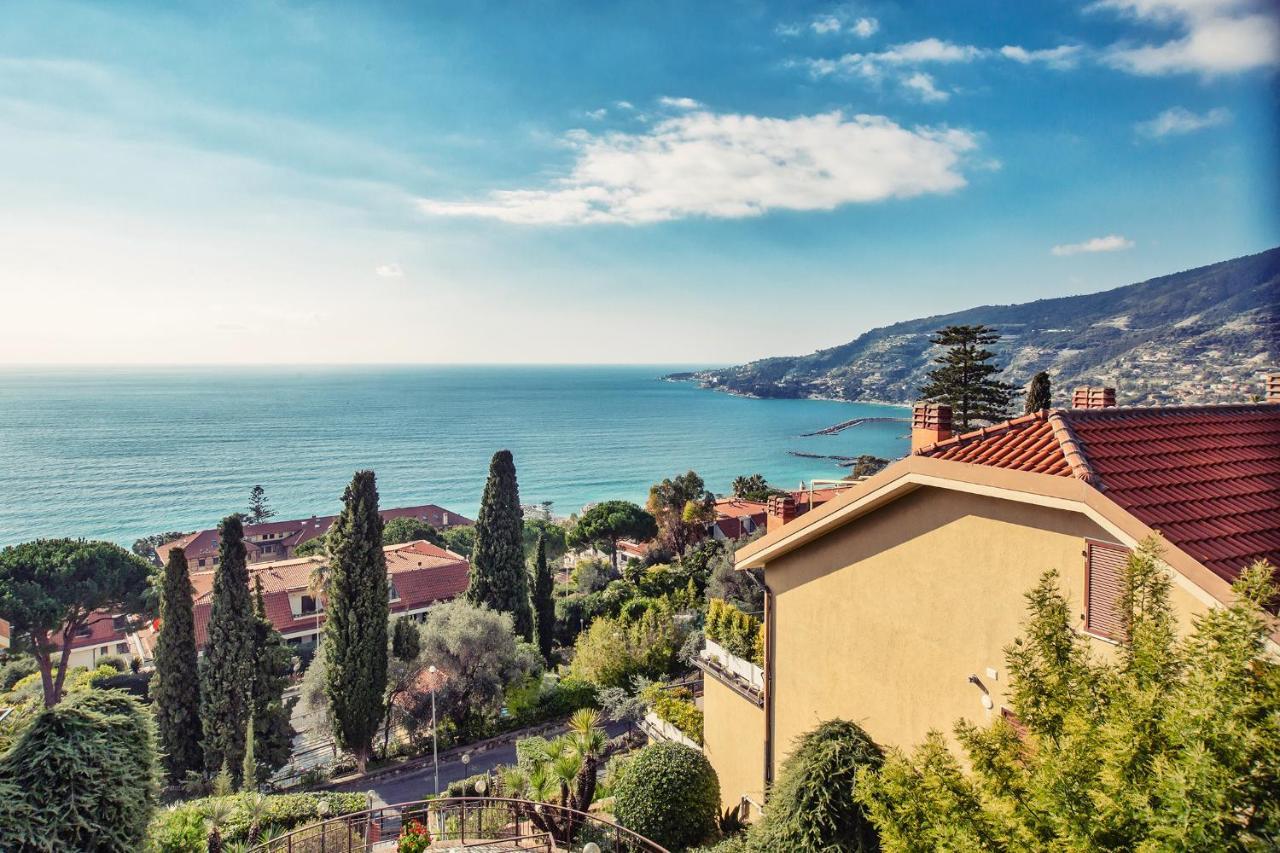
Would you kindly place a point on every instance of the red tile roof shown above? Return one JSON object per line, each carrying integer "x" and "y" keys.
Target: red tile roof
{"x": 422, "y": 573}
{"x": 1206, "y": 477}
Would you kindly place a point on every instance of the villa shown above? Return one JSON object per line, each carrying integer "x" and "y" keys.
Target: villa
{"x": 277, "y": 540}
{"x": 891, "y": 604}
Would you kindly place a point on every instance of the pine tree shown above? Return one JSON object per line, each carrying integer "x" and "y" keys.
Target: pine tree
{"x": 498, "y": 575}
{"x": 175, "y": 688}
{"x": 544, "y": 605}
{"x": 258, "y": 509}
{"x": 965, "y": 376}
{"x": 355, "y": 631}
{"x": 226, "y": 675}
{"x": 1039, "y": 394}
{"x": 272, "y": 730}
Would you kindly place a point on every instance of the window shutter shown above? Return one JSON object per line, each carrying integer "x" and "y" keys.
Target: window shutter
{"x": 1104, "y": 570}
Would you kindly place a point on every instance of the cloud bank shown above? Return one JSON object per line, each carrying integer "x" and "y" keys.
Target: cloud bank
{"x": 1218, "y": 36}
{"x": 729, "y": 166}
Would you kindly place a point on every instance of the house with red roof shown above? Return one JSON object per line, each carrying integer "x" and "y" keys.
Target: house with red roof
{"x": 892, "y": 602}
{"x": 104, "y": 635}
{"x": 277, "y": 540}
{"x": 419, "y": 575}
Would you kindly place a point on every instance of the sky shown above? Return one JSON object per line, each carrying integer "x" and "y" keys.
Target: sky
{"x": 580, "y": 182}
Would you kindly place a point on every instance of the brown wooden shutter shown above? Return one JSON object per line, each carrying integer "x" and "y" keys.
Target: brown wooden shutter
{"x": 1103, "y": 573}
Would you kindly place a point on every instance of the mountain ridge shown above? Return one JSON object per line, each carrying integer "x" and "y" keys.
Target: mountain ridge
{"x": 1203, "y": 335}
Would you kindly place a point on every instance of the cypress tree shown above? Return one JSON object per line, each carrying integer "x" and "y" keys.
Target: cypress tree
{"x": 406, "y": 642}
{"x": 272, "y": 730}
{"x": 1039, "y": 393}
{"x": 544, "y": 605}
{"x": 175, "y": 688}
{"x": 355, "y": 631}
{"x": 498, "y": 575}
{"x": 965, "y": 376}
{"x": 226, "y": 675}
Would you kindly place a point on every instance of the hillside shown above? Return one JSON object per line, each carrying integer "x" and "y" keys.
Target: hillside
{"x": 1200, "y": 336}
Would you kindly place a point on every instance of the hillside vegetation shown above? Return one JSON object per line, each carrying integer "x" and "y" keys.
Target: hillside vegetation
{"x": 1200, "y": 336}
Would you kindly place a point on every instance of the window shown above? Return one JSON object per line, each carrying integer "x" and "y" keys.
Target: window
{"x": 201, "y": 562}
{"x": 120, "y": 624}
{"x": 307, "y": 605}
{"x": 392, "y": 595}
{"x": 122, "y": 648}
{"x": 1103, "y": 575}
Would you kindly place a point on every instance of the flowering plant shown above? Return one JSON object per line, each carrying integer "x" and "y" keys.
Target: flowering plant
{"x": 414, "y": 838}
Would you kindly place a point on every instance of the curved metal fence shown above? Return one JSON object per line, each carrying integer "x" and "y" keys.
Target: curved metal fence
{"x": 463, "y": 823}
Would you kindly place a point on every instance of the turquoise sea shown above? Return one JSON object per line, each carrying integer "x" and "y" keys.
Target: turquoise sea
{"x": 122, "y": 452}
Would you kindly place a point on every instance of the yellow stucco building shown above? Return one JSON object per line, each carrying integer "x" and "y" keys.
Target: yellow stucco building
{"x": 892, "y": 605}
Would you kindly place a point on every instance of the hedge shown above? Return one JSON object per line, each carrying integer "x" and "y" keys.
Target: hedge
{"x": 283, "y": 812}
{"x": 676, "y": 707}
{"x": 740, "y": 633}
{"x": 668, "y": 793}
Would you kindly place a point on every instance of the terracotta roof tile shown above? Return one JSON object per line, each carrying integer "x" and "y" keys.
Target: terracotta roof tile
{"x": 1206, "y": 477}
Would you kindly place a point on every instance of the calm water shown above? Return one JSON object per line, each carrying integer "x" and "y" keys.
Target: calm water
{"x": 118, "y": 453}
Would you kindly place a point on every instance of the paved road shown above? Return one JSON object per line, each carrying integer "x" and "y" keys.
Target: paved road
{"x": 416, "y": 784}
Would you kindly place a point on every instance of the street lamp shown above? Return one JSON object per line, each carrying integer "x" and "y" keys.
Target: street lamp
{"x": 435, "y": 741}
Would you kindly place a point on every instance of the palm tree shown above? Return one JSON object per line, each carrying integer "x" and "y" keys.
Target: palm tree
{"x": 219, "y": 811}
{"x": 563, "y": 773}
{"x": 256, "y": 809}
{"x": 316, "y": 585}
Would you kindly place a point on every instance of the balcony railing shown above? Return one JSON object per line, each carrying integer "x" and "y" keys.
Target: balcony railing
{"x": 464, "y": 823}
{"x": 741, "y": 675}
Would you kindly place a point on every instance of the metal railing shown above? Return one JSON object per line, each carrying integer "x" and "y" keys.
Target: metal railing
{"x": 471, "y": 822}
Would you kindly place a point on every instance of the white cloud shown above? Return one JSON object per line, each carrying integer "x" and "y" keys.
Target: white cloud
{"x": 1110, "y": 243}
{"x": 729, "y": 166}
{"x": 624, "y": 105}
{"x": 679, "y": 103}
{"x": 1218, "y": 36}
{"x": 597, "y": 115}
{"x": 1062, "y": 57}
{"x": 930, "y": 50}
{"x": 389, "y": 271}
{"x": 865, "y": 27}
{"x": 824, "y": 24}
{"x": 922, "y": 84}
{"x": 1177, "y": 121}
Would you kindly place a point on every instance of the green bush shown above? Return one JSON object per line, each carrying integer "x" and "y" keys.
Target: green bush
{"x": 467, "y": 787}
{"x": 676, "y": 707}
{"x": 116, "y": 663}
{"x": 812, "y": 807}
{"x": 81, "y": 776}
{"x": 669, "y": 793}
{"x": 16, "y": 670}
{"x": 739, "y": 633}
{"x": 281, "y": 813}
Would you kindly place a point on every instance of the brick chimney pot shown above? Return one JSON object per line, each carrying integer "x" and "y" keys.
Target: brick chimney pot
{"x": 1093, "y": 397}
{"x": 930, "y": 423}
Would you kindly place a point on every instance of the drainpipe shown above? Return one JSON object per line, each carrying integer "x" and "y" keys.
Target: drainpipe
{"x": 769, "y": 637}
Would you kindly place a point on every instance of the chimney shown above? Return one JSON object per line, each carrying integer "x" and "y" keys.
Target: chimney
{"x": 1090, "y": 397}
{"x": 930, "y": 423}
{"x": 781, "y": 509}
{"x": 1273, "y": 387}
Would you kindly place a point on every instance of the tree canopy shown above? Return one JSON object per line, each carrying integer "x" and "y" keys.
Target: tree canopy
{"x": 498, "y": 575}
{"x": 259, "y": 507}
{"x": 753, "y": 488}
{"x": 682, "y": 507}
{"x": 400, "y": 530}
{"x": 355, "y": 628}
{"x": 608, "y": 521}
{"x": 271, "y": 713}
{"x": 1172, "y": 744}
{"x": 965, "y": 378}
{"x": 51, "y": 589}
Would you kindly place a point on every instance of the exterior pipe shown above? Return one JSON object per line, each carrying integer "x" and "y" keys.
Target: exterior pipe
{"x": 769, "y": 637}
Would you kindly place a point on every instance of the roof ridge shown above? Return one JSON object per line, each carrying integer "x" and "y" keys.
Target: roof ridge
{"x": 1260, "y": 407}
{"x": 1073, "y": 450}
{"x": 983, "y": 432}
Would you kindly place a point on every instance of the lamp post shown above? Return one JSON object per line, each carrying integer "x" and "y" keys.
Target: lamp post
{"x": 435, "y": 741}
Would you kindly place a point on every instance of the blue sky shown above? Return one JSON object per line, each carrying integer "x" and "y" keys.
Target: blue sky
{"x": 606, "y": 182}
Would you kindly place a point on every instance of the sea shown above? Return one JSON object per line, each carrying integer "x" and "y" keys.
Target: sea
{"x": 119, "y": 453}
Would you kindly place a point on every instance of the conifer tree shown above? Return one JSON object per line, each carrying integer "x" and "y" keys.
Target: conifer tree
{"x": 272, "y": 730}
{"x": 259, "y": 511}
{"x": 355, "y": 631}
{"x": 965, "y": 376}
{"x": 175, "y": 688}
{"x": 544, "y": 605}
{"x": 226, "y": 674}
{"x": 498, "y": 576}
{"x": 406, "y": 642}
{"x": 1039, "y": 394}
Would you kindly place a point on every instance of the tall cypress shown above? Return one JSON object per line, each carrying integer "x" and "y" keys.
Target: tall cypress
{"x": 175, "y": 688}
{"x": 355, "y": 629}
{"x": 226, "y": 674}
{"x": 498, "y": 575}
{"x": 544, "y": 605}
{"x": 272, "y": 730}
{"x": 1039, "y": 393}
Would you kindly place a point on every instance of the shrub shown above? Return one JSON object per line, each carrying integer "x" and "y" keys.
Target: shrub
{"x": 116, "y": 663}
{"x": 16, "y": 670}
{"x": 739, "y": 633}
{"x": 278, "y": 813}
{"x": 812, "y": 807}
{"x": 669, "y": 793}
{"x": 467, "y": 787}
{"x": 83, "y": 775}
{"x": 676, "y": 707}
